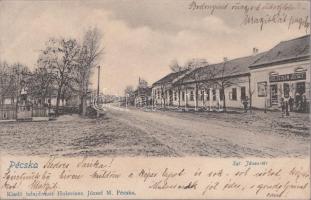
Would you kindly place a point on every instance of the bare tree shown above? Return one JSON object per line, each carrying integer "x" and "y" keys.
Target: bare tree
{"x": 129, "y": 93}
{"x": 175, "y": 67}
{"x": 225, "y": 78}
{"x": 88, "y": 58}
{"x": 129, "y": 90}
{"x": 198, "y": 75}
{"x": 7, "y": 81}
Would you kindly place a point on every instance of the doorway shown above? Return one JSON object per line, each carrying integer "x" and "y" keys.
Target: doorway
{"x": 274, "y": 94}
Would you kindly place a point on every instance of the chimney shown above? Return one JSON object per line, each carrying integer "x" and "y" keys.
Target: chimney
{"x": 255, "y": 51}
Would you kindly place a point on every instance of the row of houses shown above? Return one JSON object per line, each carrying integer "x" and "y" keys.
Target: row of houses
{"x": 265, "y": 80}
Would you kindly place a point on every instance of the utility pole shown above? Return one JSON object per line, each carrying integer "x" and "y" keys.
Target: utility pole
{"x": 98, "y": 79}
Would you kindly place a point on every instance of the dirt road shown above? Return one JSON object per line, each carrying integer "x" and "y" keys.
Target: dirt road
{"x": 141, "y": 133}
{"x": 194, "y": 136}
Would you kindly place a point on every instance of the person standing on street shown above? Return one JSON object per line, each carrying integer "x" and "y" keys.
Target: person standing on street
{"x": 245, "y": 103}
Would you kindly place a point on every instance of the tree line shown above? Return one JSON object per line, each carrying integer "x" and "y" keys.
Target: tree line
{"x": 65, "y": 65}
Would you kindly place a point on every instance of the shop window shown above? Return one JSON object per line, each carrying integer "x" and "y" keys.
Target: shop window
{"x": 191, "y": 95}
{"x": 243, "y": 93}
{"x": 234, "y": 95}
{"x": 183, "y": 96}
{"x": 214, "y": 94}
{"x": 301, "y": 88}
{"x": 221, "y": 94}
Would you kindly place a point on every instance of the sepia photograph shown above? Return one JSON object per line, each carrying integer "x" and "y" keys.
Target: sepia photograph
{"x": 138, "y": 99}
{"x": 167, "y": 78}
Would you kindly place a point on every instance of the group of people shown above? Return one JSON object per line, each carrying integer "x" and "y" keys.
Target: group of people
{"x": 289, "y": 104}
{"x": 300, "y": 103}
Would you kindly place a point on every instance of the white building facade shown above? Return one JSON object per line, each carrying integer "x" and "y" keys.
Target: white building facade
{"x": 283, "y": 75}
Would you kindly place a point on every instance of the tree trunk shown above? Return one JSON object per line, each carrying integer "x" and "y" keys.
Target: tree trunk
{"x": 250, "y": 94}
{"x": 84, "y": 106}
{"x": 58, "y": 99}
{"x": 196, "y": 97}
{"x": 178, "y": 97}
{"x": 164, "y": 98}
{"x": 224, "y": 101}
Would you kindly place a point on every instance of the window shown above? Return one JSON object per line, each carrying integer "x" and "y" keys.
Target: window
{"x": 214, "y": 94}
{"x": 234, "y": 96}
{"x": 175, "y": 96}
{"x": 183, "y": 96}
{"x": 243, "y": 93}
{"x": 202, "y": 95}
{"x": 262, "y": 89}
{"x": 191, "y": 95}
{"x": 221, "y": 95}
{"x": 301, "y": 88}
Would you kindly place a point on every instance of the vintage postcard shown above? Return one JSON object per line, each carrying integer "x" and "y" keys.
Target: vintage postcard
{"x": 166, "y": 99}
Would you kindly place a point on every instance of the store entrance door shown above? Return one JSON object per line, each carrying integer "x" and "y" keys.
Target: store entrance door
{"x": 274, "y": 94}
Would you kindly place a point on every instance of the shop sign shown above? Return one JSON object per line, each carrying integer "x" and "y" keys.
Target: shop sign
{"x": 288, "y": 77}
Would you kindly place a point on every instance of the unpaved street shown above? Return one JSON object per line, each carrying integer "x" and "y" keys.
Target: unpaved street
{"x": 148, "y": 133}
{"x": 193, "y": 135}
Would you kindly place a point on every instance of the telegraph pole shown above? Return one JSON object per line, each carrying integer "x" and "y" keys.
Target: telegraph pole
{"x": 98, "y": 80}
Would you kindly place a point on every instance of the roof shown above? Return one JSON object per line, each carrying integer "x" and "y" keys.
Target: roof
{"x": 234, "y": 67}
{"x": 170, "y": 77}
{"x": 294, "y": 49}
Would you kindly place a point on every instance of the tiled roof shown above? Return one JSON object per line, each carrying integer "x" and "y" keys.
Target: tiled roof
{"x": 286, "y": 50}
{"x": 232, "y": 67}
{"x": 170, "y": 77}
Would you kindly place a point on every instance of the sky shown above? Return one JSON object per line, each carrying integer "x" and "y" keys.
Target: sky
{"x": 142, "y": 37}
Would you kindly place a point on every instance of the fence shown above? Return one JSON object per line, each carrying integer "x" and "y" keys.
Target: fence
{"x": 24, "y": 112}
{"x": 7, "y": 112}
{"x": 39, "y": 112}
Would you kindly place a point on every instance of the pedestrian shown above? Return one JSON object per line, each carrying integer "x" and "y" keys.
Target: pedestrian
{"x": 286, "y": 107}
{"x": 303, "y": 103}
{"x": 245, "y": 103}
{"x": 282, "y": 106}
{"x": 298, "y": 100}
{"x": 291, "y": 104}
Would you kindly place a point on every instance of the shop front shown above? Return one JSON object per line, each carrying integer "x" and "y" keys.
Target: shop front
{"x": 282, "y": 85}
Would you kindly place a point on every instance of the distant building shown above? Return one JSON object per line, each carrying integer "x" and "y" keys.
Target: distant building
{"x": 163, "y": 91}
{"x": 142, "y": 97}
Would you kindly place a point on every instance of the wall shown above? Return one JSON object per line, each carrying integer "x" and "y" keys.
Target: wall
{"x": 239, "y": 82}
{"x": 262, "y": 75}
